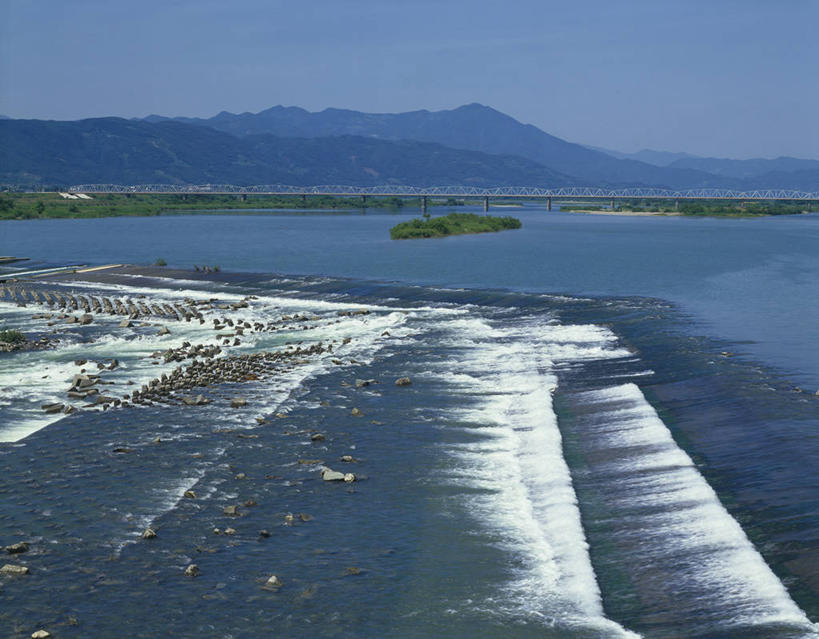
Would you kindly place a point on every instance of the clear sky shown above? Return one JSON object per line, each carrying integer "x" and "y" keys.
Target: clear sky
{"x": 727, "y": 78}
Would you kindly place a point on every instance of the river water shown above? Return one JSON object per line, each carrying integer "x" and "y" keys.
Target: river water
{"x": 610, "y": 432}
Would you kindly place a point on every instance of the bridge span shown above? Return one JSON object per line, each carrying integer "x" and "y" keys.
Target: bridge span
{"x": 424, "y": 192}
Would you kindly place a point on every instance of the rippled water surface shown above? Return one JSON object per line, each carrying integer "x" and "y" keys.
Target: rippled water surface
{"x": 627, "y": 458}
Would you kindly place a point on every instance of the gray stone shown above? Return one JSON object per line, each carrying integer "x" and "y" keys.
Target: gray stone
{"x": 13, "y": 569}
{"x": 163, "y": 331}
{"x": 192, "y": 571}
{"x": 328, "y": 474}
{"x": 40, "y": 634}
{"x": 149, "y": 534}
{"x": 403, "y": 381}
{"x": 273, "y": 583}
{"x": 85, "y": 319}
{"x": 238, "y": 402}
{"x": 125, "y": 323}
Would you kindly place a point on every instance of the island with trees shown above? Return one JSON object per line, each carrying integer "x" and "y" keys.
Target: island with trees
{"x": 452, "y": 224}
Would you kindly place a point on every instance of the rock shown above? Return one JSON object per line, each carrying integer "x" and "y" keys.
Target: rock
{"x": 17, "y": 548}
{"x": 80, "y": 362}
{"x": 328, "y": 474}
{"x": 240, "y": 476}
{"x": 86, "y": 319}
{"x": 230, "y": 531}
{"x": 289, "y": 519}
{"x": 149, "y": 534}
{"x": 317, "y": 437}
{"x": 189, "y": 494}
{"x": 385, "y": 334}
{"x": 305, "y": 517}
{"x": 192, "y": 571}
{"x": 50, "y": 409}
{"x": 403, "y": 381}
{"x": 216, "y": 531}
{"x": 164, "y": 331}
{"x": 353, "y": 570}
{"x": 356, "y": 412}
{"x": 40, "y": 634}
{"x": 264, "y": 533}
{"x": 122, "y": 449}
{"x": 250, "y": 503}
{"x": 232, "y": 511}
{"x": 349, "y": 477}
{"x": 348, "y": 458}
{"x": 12, "y": 569}
{"x": 238, "y": 402}
{"x": 125, "y": 324}
{"x": 359, "y": 383}
{"x": 273, "y": 583}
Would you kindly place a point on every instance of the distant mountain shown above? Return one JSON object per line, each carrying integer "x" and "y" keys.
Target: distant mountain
{"x": 649, "y": 156}
{"x": 114, "y": 150}
{"x": 747, "y": 169}
{"x": 472, "y": 127}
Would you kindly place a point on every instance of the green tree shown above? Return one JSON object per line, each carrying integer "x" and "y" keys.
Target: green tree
{"x": 40, "y": 207}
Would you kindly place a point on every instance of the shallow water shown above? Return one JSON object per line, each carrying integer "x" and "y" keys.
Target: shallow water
{"x": 560, "y": 466}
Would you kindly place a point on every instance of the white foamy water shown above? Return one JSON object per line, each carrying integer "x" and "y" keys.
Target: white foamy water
{"x": 30, "y": 379}
{"x": 527, "y": 499}
{"x": 676, "y": 522}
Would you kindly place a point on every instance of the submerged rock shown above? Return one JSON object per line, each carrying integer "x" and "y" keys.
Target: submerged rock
{"x": 403, "y": 381}
{"x": 356, "y": 412}
{"x": 238, "y": 402}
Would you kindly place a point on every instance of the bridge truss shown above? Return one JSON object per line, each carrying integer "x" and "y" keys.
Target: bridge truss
{"x": 522, "y": 192}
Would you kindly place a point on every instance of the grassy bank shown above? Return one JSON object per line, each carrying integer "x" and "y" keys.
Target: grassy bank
{"x": 452, "y": 224}
{"x": 25, "y": 206}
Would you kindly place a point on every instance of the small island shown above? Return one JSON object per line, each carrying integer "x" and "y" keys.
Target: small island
{"x": 452, "y": 224}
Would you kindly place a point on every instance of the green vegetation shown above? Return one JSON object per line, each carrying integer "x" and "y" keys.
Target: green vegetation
{"x": 160, "y": 262}
{"x": 452, "y": 224}
{"x": 26, "y": 206}
{"x": 11, "y": 336}
{"x": 727, "y": 208}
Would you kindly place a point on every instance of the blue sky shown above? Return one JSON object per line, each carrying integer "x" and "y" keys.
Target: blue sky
{"x": 728, "y": 78}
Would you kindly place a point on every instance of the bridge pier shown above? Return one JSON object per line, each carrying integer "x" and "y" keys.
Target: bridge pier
{"x": 423, "y": 204}
{"x": 304, "y": 198}
{"x": 549, "y": 203}
{"x": 363, "y": 201}
{"x": 612, "y": 204}
{"x": 244, "y": 197}
{"x": 485, "y": 203}
{"x": 677, "y": 204}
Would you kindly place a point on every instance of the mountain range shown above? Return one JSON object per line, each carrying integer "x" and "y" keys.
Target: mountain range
{"x": 470, "y": 145}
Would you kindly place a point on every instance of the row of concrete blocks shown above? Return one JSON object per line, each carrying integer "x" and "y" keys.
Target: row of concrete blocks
{"x": 90, "y": 304}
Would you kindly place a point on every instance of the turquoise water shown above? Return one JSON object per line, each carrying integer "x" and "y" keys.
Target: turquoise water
{"x": 602, "y": 437}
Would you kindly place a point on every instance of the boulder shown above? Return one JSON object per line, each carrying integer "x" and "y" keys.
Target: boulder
{"x": 12, "y": 569}
{"x": 349, "y": 477}
{"x": 164, "y": 331}
{"x": 85, "y": 319}
{"x": 317, "y": 437}
{"x": 356, "y": 412}
{"x": 238, "y": 402}
{"x": 230, "y": 531}
{"x": 51, "y": 409}
{"x": 40, "y": 634}
{"x": 125, "y": 324}
{"x": 149, "y": 534}
{"x": 328, "y": 474}
{"x": 348, "y": 458}
{"x": 232, "y": 511}
{"x": 190, "y": 494}
{"x": 14, "y": 549}
{"x": 403, "y": 381}
{"x": 273, "y": 583}
{"x": 192, "y": 571}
